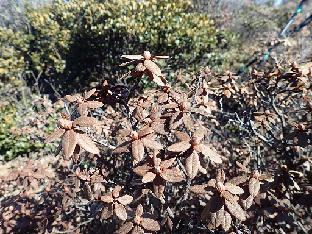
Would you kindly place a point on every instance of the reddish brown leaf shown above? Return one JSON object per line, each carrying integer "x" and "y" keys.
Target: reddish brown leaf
{"x": 172, "y": 175}
{"x": 150, "y": 224}
{"x": 125, "y": 228}
{"x": 198, "y": 189}
{"x": 236, "y": 210}
{"x": 182, "y": 136}
{"x": 86, "y": 143}
{"x": 192, "y": 164}
{"x": 137, "y": 230}
{"x": 148, "y": 177}
{"x": 94, "y": 104}
{"x": 139, "y": 211}
{"x": 89, "y": 93}
{"x": 107, "y": 198}
{"x": 211, "y": 154}
{"x": 152, "y": 144}
{"x": 72, "y": 98}
{"x": 188, "y": 122}
{"x": 228, "y": 196}
{"x": 58, "y": 133}
{"x": 137, "y": 150}
{"x": 132, "y": 57}
{"x": 142, "y": 170}
{"x": 254, "y": 187}
{"x": 167, "y": 163}
{"x": 120, "y": 211}
{"x": 179, "y": 147}
{"x": 69, "y": 143}
{"x": 145, "y": 131}
{"x": 152, "y": 67}
{"x": 227, "y": 221}
{"x": 125, "y": 200}
{"x": 233, "y": 188}
{"x": 85, "y": 121}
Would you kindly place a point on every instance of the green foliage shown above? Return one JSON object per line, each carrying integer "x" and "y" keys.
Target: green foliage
{"x": 14, "y": 142}
{"x": 13, "y": 47}
{"x": 80, "y": 40}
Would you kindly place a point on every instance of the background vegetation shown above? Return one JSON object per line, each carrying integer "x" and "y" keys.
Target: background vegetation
{"x": 52, "y": 48}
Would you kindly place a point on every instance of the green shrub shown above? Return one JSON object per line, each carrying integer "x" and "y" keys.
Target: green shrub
{"x": 13, "y": 47}
{"x": 79, "y": 40}
{"x": 12, "y": 141}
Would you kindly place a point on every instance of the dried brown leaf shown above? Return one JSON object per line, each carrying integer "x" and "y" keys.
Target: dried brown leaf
{"x": 148, "y": 177}
{"x": 158, "y": 79}
{"x": 172, "y": 175}
{"x": 236, "y": 210}
{"x": 198, "y": 189}
{"x": 248, "y": 202}
{"x": 233, "y": 188}
{"x": 182, "y": 136}
{"x": 132, "y": 57}
{"x": 179, "y": 147}
{"x": 228, "y": 196}
{"x": 227, "y": 221}
{"x": 152, "y": 144}
{"x": 219, "y": 217}
{"x": 200, "y": 133}
{"x": 89, "y": 93}
{"x": 192, "y": 164}
{"x": 145, "y": 131}
{"x": 72, "y": 98}
{"x": 142, "y": 170}
{"x": 125, "y": 228}
{"x": 94, "y": 104}
{"x": 163, "y": 98}
{"x": 254, "y": 187}
{"x": 83, "y": 109}
{"x": 69, "y": 143}
{"x": 58, "y": 133}
{"x": 85, "y": 121}
{"x": 137, "y": 230}
{"x": 167, "y": 163}
{"x": 120, "y": 211}
{"x": 150, "y": 224}
{"x": 125, "y": 200}
{"x": 238, "y": 179}
{"x": 137, "y": 150}
{"x": 139, "y": 211}
{"x": 86, "y": 143}
{"x": 107, "y": 198}
{"x": 106, "y": 213}
{"x": 211, "y": 154}
{"x": 152, "y": 67}
{"x": 188, "y": 122}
